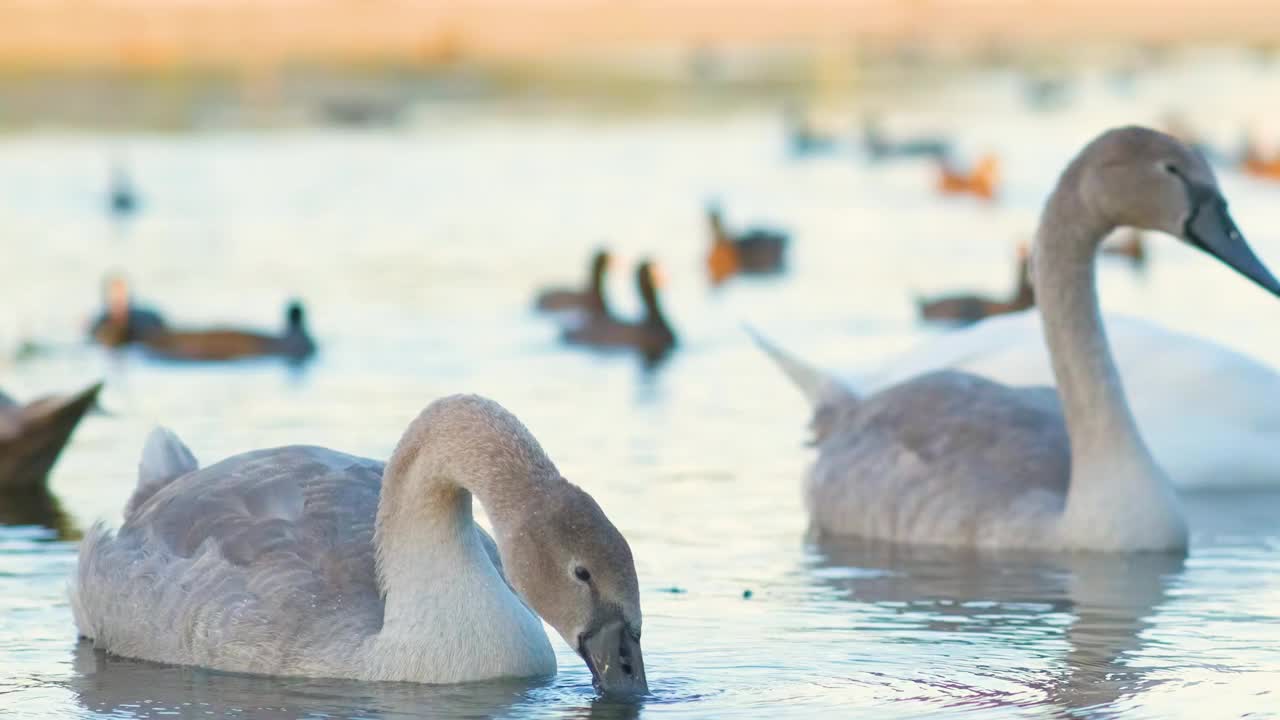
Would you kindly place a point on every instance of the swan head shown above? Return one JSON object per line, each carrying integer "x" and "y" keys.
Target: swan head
{"x": 576, "y": 570}
{"x": 1145, "y": 179}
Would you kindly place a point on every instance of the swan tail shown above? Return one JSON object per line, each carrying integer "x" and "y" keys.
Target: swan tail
{"x": 165, "y": 458}
{"x": 818, "y": 387}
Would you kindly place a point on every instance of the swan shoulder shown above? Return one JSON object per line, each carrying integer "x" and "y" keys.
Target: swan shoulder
{"x": 261, "y": 563}
{"x": 946, "y": 458}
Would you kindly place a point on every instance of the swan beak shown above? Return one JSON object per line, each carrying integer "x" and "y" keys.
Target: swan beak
{"x": 612, "y": 654}
{"x": 1211, "y": 229}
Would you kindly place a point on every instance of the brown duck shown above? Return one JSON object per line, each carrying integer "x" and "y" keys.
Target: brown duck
{"x": 589, "y": 299}
{"x": 756, "y": 251}
{"x": 967, "y": 309}
{"x": 230, "y": 344}
{"x": 32, "y": 436}
{"x": 122, "y": 322}
{"x": 651, "y": 336}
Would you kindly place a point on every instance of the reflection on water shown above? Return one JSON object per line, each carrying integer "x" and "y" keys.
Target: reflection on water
{"x": 111, "y": 685}
{"x": 1100, "y": 604}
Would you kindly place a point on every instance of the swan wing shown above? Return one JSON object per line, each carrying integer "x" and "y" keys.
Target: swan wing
{"x": 261, "y": 563}
{"x": 947, "y": 458}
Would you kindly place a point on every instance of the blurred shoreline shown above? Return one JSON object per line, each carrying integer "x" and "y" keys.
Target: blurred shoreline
{"x": 190, "y": 64}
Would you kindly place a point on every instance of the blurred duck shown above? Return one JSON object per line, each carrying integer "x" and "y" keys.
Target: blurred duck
{"x": 33, "y": 435}
{"x": 757, "y": 251}
{"x": 652, "y": 336}
{"x": 981, "y": 182}
{"x": 1128, "y": 243}
{"x": 122, "y": 197}
{"x": 589, "y": 300}
{"x": 803, "y": 139}
{"x": 1258, "y": 164}
{"x": 967, "y": 309}
{"x": 878, "y": 146}
{"x": 122, "y": 322}
{"x": 231, "y": 344}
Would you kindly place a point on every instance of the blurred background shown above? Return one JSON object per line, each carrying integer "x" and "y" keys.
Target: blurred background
{"x": 299, "y": 221}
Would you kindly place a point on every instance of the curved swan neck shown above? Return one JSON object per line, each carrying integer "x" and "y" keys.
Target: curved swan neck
{"x": 1118, "y": 497}
{"x": 1097, "y": 414}
{"x": 457, "y": 448}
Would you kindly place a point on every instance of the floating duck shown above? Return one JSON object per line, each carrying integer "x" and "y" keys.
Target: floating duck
{"x": 982, "y": 181}
{"x": 967, "y": 309}
{"x": 879, "y": 146}
{"x": 652, "y": 336}
{"x": 219, "y": 344}
{"x": 756, "y": 251}
{"x": 122, "y": 322}
{"x": 122, "y": 196}
{"x": 589, "y": 300}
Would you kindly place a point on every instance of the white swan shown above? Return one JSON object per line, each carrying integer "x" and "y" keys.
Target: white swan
{"x": 951, "y": 458}
{"x": 1210, "y": 414}
{"x": 309, "y": 562}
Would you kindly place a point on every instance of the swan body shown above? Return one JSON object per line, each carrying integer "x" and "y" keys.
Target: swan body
{"x": 304, "y": 561}
{"x": 1218, "y": 428}
{"x": 951, "y": 458}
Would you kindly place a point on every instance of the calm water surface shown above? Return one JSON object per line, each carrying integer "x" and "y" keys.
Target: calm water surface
{"x": 417, "y": 253}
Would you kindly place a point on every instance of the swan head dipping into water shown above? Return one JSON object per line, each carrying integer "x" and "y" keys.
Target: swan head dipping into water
{"x": 951, "y": 458}
{"x": 558, "y": 549}
{"x": 305, "y": 561}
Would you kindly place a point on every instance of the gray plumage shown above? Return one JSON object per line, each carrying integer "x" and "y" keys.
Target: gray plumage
{"x": 945, "y": 455}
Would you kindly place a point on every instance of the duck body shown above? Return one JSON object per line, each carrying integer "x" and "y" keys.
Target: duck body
{"x": 879, "y": 147}
{"x": 225, "y": 344}
{"x": 33, "y": 436}
{"x": 588, "y": 300}
{"x": 980, "y": 182}
{"x": 651, "y": 336}
{"x": 138, "y": 324}
{"x": 1211, "y": 415}
{"x": 968, "y": 309}
{"x": 222, "y": 344}
{"x": 756, "y": 251}
{"x": 265, "y": 563}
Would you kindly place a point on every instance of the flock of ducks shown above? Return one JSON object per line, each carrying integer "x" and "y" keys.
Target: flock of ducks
{"x": 305, "y": 561}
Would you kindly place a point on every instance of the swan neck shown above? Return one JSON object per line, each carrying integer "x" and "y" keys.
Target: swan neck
{"x": 425, "y": 527}
{"x": 1099, "y": 421}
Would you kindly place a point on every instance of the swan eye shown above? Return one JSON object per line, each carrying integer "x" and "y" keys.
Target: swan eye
{"x": 582, "y": 574}
{"x": 1170, "y": 168}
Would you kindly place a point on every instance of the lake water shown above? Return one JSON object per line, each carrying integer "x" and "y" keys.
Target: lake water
{"x": 417, "y": 252}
